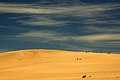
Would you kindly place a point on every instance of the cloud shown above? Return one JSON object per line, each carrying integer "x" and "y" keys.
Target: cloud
{"x": 42, "y": 21}
{"x": 38, "y": 34}
{"x": 98, "y": 37}
{"x": 48, "y": 35}
{"x": 58, "y": 36}
{"x": 105, "y": 29}
{"x": 97, "y": 21}
{"x": 24, "y": 8}
{"x": 89, "y": 12}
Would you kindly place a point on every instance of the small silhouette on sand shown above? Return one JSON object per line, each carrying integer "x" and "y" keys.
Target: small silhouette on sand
{"x": 108, "y": 52}
{"x": 78, "y": 58}
{"x": 84, "y": 76}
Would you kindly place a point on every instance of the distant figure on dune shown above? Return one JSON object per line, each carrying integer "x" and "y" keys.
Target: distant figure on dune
{"x": 78, "y": 58}
{"x": 87, "y": 51}
{"x": 108, "y": 52}
{"x": 84, "y": 76}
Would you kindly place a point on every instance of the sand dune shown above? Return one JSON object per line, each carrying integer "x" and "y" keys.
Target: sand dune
{"x": 58, "y": 65}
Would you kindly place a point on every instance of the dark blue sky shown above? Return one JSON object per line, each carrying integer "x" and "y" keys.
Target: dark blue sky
{"x": 77, "y": 25}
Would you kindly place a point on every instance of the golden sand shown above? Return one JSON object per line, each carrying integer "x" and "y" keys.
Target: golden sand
{"x": 58, "y": 65}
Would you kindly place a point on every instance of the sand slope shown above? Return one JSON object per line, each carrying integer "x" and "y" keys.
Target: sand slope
{"x": 58, "y": 65}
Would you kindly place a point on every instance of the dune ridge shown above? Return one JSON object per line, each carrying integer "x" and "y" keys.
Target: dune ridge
{"x": 41, "y": 64}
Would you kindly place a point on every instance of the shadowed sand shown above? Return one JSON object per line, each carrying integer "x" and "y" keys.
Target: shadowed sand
{"x": 58, "y": 65}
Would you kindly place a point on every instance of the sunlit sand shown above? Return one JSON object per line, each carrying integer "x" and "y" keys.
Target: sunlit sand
{"x": 58, "y": 65}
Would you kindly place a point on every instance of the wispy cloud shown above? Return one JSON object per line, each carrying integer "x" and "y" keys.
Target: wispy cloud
{"x": 90, "y": 13}
{"x": 57, "y": 36}
{"x": 98, "y": 37}
{"x": 113, "y": 29}
{"x": 97, "y": 21}
{"x": 42, "y": 21}
{"x": 48, "y": 35}
{"x": 81, "y": 9}
{"x": 24, "y": 8}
